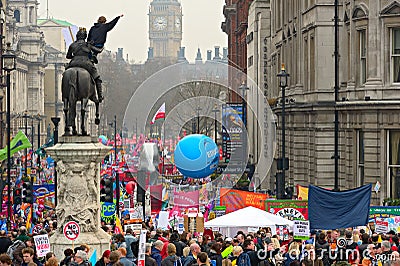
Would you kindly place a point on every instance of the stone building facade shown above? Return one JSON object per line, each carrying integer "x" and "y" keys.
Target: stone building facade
{"x": 27, "y": 81}
{"x": 301, "y": 36}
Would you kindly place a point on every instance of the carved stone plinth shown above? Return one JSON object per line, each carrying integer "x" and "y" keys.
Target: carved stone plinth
{"x": 78, "y": 192}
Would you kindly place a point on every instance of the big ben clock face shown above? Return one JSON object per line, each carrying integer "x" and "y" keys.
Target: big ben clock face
{"x": 160, "y": 23}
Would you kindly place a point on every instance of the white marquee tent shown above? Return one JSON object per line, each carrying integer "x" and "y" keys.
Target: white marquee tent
{"x": 249, "y": 217}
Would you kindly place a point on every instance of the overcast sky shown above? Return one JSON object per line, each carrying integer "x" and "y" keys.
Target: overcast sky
{"x": 201, "y": 23}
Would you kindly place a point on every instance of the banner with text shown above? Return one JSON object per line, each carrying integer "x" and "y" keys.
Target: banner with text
{"x": 289, "y": 209}
{"x": 383, "y": 212}
{"x": 184, "y": 200}
{"x": 237, "y": 199}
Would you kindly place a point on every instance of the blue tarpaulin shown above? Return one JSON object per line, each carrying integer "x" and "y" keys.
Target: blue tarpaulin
{"x": 332, "y": 210}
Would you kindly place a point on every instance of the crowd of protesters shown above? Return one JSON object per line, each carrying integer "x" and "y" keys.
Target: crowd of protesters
{"x": 168, "y": 248}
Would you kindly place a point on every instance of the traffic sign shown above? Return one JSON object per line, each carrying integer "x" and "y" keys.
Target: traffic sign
{"x": 71, "y": 230}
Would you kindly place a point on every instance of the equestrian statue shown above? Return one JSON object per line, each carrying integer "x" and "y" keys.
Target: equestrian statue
{"x": 80, "y": 82}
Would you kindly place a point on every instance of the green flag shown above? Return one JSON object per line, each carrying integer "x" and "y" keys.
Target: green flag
{"x": 19, "y": 142}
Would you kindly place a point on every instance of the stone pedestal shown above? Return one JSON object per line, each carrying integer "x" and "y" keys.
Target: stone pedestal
{"x": 78, "y": 192}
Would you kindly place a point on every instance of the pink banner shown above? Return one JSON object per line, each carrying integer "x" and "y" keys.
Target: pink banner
{"x": 186, "y": 199}
{"x": 156, "y": 198}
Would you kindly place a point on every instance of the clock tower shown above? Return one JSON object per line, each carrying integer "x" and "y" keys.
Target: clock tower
{"x": 165, "y": 29}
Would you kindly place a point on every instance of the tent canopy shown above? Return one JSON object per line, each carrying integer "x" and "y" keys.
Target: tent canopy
{"x": 248, "y": 217}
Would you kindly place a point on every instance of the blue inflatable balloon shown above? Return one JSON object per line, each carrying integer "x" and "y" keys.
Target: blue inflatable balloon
{"x": 196, "y": 156}
{"x": 103, "y": 139}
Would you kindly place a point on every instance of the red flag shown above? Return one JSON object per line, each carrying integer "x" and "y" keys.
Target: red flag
{"x": 160, "y": 114}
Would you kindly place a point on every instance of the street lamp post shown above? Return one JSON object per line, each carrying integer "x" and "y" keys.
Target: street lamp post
{"x": 244, "y": 88}
{"x": 215, "y": 111}
{"x": 8, "y": 65}
{"x": 284, "y": 163}
{"x": 56, "y": 121}
{"x": 116, "y": 168}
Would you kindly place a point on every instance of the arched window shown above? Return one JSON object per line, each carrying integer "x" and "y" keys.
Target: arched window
{"x": 17, "y": 16}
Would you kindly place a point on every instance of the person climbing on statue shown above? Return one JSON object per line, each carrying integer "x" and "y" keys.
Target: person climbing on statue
{"x": 79, "y": 52}
{"x": 98, "y": 34}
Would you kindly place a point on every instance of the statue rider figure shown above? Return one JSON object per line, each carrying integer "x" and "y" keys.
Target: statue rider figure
{"x": 79, "y": 52}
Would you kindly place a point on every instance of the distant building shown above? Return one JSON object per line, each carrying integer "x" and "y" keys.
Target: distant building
{"x": 165, "y": 29}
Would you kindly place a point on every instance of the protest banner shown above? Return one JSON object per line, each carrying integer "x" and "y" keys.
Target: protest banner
{"x": 289, "y": 209}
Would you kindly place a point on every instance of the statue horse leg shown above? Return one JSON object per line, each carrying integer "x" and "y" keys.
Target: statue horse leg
{"x": 68, "y": 124}
{"x": 72, "y": 116}
{"x": 97, "y": 120}
{"x": 84, "y": 103}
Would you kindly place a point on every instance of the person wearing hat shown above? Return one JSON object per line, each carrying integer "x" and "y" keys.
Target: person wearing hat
{"x": 98, "y": 34}
{"x": 105, "y": 259}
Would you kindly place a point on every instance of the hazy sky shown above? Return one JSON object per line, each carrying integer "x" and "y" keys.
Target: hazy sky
{"x": 201, "y": 23}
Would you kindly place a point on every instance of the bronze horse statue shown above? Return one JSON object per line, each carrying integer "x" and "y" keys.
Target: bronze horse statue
{"x": 78, "y": 85}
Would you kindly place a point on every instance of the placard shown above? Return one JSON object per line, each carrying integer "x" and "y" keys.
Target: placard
{"x": 142, "y": 248}
{"x": 42, "y": 245}
{"x": 381, "y": 226}
{"x": 181, "y": 227}
{"x": 71, "y": 230}
{"x": 136, "y": 228}
{"x": 301, "y": 229}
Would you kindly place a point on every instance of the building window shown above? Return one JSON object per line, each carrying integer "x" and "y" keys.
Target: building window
{"x": 395, "y": 54}
{"x": 360, "y": 158}
{"x": 312, "y": 64}
{"x": 306, "y": 70}
{"x": 394, "y": 164}
{"x": 31, "y": 15}
{"x": 363, "y": 56}
{"x": 17, "y": 16}
{"x": 250, "y": 61}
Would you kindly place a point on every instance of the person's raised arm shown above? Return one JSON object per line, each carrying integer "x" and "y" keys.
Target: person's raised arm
{"x": 112, "y": 23}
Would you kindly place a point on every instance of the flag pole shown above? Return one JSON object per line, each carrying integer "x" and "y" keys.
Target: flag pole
{"x": 163, "y": 149}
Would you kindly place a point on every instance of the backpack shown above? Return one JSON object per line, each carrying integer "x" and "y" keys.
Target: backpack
{"x": 178, "y": 262}
{"x": 135, "y": 248}
{"x": 243, "y": 260}
{"x": 13, "y": 247}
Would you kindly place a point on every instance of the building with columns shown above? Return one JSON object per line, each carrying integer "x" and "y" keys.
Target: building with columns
{"x": 27, "y": 81}
{"x": 301, "y": 35}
